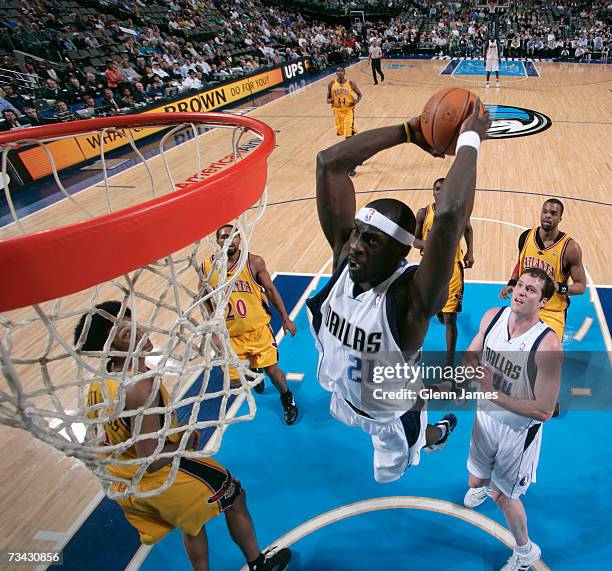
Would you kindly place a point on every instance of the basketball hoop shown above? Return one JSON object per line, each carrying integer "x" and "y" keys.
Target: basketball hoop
{"x": 147, "y": 253}
{"x": 491, "y": 5}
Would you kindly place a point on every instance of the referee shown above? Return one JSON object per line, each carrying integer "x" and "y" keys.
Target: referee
{"x": 375, "y": 57}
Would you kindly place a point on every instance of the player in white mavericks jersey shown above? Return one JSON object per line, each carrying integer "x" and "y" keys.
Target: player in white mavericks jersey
{"x": 491, "y": 57}
{"x": 522, "y": 358}
{"x": 376, "y": 306}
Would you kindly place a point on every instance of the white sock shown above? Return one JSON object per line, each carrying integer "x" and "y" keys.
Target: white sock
{"x": 524, "y": 549}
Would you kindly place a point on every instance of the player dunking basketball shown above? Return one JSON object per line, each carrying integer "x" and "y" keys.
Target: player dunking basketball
{"x": 343, "y": 95}
{"x": 202, "y": 488}
{"x": 374, "y": 303}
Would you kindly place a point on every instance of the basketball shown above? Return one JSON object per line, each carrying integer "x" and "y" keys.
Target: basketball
{"x": 443, "y": 115}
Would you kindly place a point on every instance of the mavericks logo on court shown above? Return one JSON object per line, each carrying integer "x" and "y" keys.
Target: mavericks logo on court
{"x": 509, "y": 122}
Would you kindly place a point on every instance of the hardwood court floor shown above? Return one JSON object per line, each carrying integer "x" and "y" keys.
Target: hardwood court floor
{"x": 46, "y": 491}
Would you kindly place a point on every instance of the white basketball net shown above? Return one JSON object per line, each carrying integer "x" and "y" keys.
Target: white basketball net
{"x": 45, "y": 378}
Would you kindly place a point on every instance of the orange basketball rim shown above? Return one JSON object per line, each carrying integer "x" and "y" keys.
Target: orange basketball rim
{"x": 50, "y": 264}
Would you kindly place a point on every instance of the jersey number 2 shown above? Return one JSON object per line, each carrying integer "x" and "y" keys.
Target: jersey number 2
{"x": 353, "y": 371}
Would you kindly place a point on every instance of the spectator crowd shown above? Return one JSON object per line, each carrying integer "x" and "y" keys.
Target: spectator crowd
{"x": 146, "y": 61}
{"x": 564, "y": 29}
{"x": 125, "y": 54}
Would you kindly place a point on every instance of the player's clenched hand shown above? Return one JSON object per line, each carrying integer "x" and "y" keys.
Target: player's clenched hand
{"x": 289, "y": 326}
{"x": 476, "y": 122}
{"x": 468, "y": 260}
{"x": 505, "y": 293}
{"x": 416, "y": 137}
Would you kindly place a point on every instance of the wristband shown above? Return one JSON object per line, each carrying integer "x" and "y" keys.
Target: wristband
{"x": 563, "y": 289}
{"x": 469, "y": 139}
{"x": 511, "y": 282}
{"x": 407, "y": 129}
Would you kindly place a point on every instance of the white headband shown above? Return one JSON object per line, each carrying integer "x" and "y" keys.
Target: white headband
{"x": 374, "y": 218}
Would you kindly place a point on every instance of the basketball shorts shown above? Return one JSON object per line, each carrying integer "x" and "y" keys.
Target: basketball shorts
{"x": 397, "y": 445}
{"x": 492, "y": 64}
{"x": 258, "y": 347}
{"x": 505, "y": 455}
{"x": 345, "y": 122}
{"x": 201, "y": 490}
{"x": 455, "y": 291}
{"x": 555, "y": 320}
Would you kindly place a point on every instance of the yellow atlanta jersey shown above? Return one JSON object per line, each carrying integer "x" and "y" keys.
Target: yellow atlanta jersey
{"x": 119, "y": 429}
{"x": 551, "y": 261}
{"x": 428, "y": 223}
{"x": 342, "y": 95}
{"x": 248, "y": 307}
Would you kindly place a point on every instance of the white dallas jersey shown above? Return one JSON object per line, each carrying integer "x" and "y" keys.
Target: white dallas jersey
{"x": 349, "y": 329}
{"x": 513, "y": 364}
{"x": 492, "y": 51}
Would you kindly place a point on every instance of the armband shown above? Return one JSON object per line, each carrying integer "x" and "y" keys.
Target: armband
{"x": 407, "y": 129}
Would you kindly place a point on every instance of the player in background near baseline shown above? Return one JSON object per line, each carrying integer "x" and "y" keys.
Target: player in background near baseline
{"x": 375, "y": 304}
{"x": 202, "y": 488}
{"x": 559, "y": 255}
{"x": 343, "y": 95}
{"x": 523, "y": 359}
{"x": 248, "y": 318}
{"x": 491, "y": 53}
{"x": 448, "y": 315}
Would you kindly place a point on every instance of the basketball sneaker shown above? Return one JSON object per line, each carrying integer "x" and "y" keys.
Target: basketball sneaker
{"x": 518, "y": 562}
{"x": 476, "y": 496}
{"x": 289, "y": 406}
{"x": 447, "y": 424}
{"x": 487, "y": 85}
{"x": 277, "y": 561}
{"x": 497, "y": 83}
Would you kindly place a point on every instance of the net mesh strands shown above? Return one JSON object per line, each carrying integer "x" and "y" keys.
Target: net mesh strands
{"x": 46, "y": 375}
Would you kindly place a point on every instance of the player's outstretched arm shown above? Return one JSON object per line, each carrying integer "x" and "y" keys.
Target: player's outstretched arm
{"x": 357, "y": 92}
{"x": 335, "y": 192}
{"x": 468, "y": 234}
{"x": 573, "y": 258}
{"x": 263, "y": 278}
{"x": 429, "y": 287}
{"x": 419, "y": 243}
{"x": 509, "y": 287}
